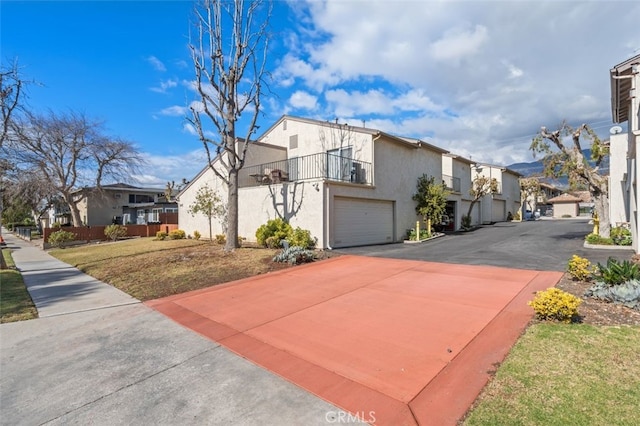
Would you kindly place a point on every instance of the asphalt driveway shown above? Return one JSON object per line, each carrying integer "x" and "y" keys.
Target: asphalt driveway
{"x": 538, "y": 245}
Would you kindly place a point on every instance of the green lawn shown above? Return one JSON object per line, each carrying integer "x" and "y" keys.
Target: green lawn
{"x": 559, "y": 374}
{"x": 15, "y": 302}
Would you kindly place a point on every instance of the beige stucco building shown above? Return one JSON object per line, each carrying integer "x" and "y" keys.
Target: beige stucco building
{"x": 624, "y": 196}
{"x": 496, "y": 207}
{"x": 348, "y": 185}
{"x": 123, "y": 204}
{"x": 565, "y": 205}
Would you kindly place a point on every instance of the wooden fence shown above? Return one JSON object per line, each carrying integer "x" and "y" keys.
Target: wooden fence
{"x": 96, "y": 233}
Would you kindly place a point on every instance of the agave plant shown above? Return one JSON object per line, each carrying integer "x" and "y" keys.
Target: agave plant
{"x": 616, "y": 272}
{"x": 627, "y": 293}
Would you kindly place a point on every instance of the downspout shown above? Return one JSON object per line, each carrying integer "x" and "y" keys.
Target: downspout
{"x": 373, "y": 154}
{"x": 326, "y": 195}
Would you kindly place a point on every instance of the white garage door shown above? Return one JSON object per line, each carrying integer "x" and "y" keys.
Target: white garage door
{"x": 360, "y": 222}
{"x": 497, "y": 211}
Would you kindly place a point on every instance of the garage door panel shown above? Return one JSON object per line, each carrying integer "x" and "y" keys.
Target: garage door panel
{"x": 362, "y": 222}
{"x": 498, "y": 211}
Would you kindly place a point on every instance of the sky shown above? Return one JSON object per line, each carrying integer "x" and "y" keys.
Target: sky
{"x": 478, "y": 78}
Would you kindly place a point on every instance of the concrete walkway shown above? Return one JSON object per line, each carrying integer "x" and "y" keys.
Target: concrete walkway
{"x": 98, "y": 356}
{"x": 400, "y": 342}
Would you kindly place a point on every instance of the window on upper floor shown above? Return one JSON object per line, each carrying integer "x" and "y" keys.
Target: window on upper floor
{"x": 140, "y": 198}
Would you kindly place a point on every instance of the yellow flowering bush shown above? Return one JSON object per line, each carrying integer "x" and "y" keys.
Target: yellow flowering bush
{"x": 555, "y": 304}
{"x": 579, "y": 268}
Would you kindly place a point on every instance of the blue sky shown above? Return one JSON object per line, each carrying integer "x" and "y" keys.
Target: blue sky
{"x": 478, "y": 78}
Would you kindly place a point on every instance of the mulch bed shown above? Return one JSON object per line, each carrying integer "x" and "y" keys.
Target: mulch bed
{"x": 597, "y": 312}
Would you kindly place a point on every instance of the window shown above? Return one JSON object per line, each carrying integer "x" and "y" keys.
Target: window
{"x": 293, "y": 141}
{"x": 140, "y": 198}
{"x": 155, "y": 215}
{"x": 171, "y": 210}
{"x": 339, "y": 164}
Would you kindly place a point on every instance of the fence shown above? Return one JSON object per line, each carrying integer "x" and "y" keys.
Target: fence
{"x": 93, "y": 233}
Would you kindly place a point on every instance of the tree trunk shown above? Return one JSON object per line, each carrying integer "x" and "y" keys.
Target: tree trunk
{"x": 473, "y": 202}
{"x": 232, "y": 206}
{"x": 210, "y": 228}
{"x": 73, "y": 208}
{"x": 601, "y": 206}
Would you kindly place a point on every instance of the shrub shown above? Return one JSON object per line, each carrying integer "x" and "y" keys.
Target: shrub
{"x": 56, "y": 225}
{"x": 627, "y": 293}
{"x": 424, "y": 234}
{"x": 273, "y": 232}
{"x": 113, "y": 232}
{"x": 566, "y": 216}
{"x": 301, "y": 238}
{"x": 621, "y": 236}
{"x": 597, "y": 239}
{"x": 615, "y": 273}
{"x": 58, "y": 238}
{"x": 295, "y": 255}
{"x": 177, "y": 234}
{"x": 466, "y": 222}
{"x": 555, "y": 304}
{"x": 579, "y": 268}
{"x": 220, "y": 239}
{"x": 161, "y": 235}
{"x": 196, "y": 235}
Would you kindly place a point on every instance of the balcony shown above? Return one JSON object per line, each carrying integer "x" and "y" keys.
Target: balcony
{"x": 451, "y": 183}
{"x": 315, "y": 166}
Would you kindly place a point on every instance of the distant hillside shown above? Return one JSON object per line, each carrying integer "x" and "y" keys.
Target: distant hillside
{"x": 536, "y": 167}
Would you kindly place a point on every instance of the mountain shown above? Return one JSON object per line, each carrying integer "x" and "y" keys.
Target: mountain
{"x": 536, "y": 167}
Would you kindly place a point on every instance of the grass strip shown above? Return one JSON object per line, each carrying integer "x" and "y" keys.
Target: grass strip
{"x": 15, "y": 302}
{"x": 560, "y": 374}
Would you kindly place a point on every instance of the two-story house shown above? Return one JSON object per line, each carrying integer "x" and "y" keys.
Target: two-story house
{"x": 125, "y": 204}
{"x": 456, "y": 175}
{"x": 497, "y": 206}
{"x": 348, "y": 185}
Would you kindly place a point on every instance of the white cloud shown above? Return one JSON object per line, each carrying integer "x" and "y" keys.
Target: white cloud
{"x": 161, "y": 169}
{"x": 175, "y": 111}
{"x": 471, "y": 76}
{"x": 458, "y": 43}
{"x": 303, "y": 100}
{"x": 164, "y": 85}
{"x": 156, "y": 63}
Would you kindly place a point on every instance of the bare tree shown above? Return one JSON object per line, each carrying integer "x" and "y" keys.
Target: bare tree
{"x": 229, "y": 57}
{"x": 480, "y": 186}
{"x": 529, "y": 192}
{"x": 12, "y": 97}
{"x": 563, "y": 156}
{"x": 70, "y": 152}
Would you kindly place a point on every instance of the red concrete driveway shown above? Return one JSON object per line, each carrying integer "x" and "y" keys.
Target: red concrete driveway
{"x": 394, "y": 342}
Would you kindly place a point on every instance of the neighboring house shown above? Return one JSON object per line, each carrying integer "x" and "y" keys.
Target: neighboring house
{"x": 565, "y": 205}
{"x": 625, "y": 107}
{"x": 586, "y": 204}
{"x": 547, "y": 192}
{"x": 540, "y": 203}
{"x": 348, "y": 185}
{"x": 496, "y": 207}
{"x": 125, "y": 204}
{"x": 456, "y": 175}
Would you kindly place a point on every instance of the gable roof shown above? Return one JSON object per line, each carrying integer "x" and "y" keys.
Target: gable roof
{"x": 564, "y": 198}
{"x": 620, "y": 76}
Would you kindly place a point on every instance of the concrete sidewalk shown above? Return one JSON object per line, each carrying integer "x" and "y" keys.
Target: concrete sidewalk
{"x": 57, "y": 288}
{"x": 98, "y": 356}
